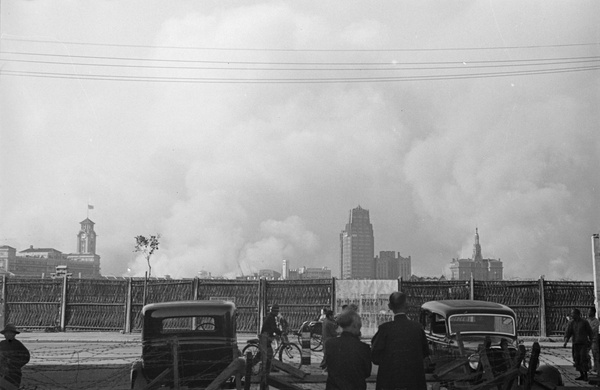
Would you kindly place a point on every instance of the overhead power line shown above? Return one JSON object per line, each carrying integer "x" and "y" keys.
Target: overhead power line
{"x": 331, "y": 80}
{"x": 397, "y": 67}
{"x": 203, "y": 68}
{"x": 311, "y": 63}
{"x": 333, "y": 50}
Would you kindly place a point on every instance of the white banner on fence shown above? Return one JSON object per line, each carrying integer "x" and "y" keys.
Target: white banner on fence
{"x": 371, "y": 297}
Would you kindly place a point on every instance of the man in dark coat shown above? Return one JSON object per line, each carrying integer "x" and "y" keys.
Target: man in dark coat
{"x": 348, "y": 360}
{"x": 399, "y": 348}
{"x": 13, "y": 355}
{"x": 270, "y": 330}
{"x": 581, "y": 331}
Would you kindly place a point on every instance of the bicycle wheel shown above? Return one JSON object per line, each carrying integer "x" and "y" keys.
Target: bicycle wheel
{"x": 316, "y": 342}
{"x": 256, "y": 359}
{"x": 291, "y": 354}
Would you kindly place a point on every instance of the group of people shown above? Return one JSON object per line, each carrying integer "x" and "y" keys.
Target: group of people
{"x": 399, "y": 348}
{"x": 584, "y": 336}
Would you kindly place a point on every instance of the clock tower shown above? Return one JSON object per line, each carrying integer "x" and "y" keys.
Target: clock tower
{"x": 86, "y": 238}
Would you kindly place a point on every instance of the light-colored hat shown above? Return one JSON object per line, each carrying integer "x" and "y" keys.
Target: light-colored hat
{"x": 10, "y": 328}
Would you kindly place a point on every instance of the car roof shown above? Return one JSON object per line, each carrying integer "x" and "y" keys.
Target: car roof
{"x": 464, "y": 306}
{"x": 188, "y": 308}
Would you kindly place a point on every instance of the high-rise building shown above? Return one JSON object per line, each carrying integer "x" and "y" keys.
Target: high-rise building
{"x": 357, "y": 247}
{"x": 477, "y": 266}
{"x": 390, "y": 266}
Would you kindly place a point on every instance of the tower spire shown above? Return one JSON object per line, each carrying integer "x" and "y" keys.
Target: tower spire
{"x": 477, "y": 247}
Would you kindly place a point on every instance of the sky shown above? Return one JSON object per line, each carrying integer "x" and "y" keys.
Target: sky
{"x": 244, "y": 132}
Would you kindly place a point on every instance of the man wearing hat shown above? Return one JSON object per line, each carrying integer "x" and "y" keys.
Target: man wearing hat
{"x": 270, "y": 330}
{"x": 13, "y": 355}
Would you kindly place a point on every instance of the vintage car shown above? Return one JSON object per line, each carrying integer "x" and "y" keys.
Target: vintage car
{"x": 185, "y": 344}
{"x": 459, "y": 328}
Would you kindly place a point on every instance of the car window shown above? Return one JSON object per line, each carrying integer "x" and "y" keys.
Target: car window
{"x": 179, "y": 325}
{"x": 482, "y": 323}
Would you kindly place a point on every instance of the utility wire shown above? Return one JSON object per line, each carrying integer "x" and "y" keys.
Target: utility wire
{"x": 386, "y": 63}
{"x": 400, "y": 67}
{"x": 524, "y": 47}
{"x": 215, "y": 80}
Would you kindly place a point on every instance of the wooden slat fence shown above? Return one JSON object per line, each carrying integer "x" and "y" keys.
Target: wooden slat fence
{"x": 34, "y": 304}
{"x": 245, "y": 295}
{"x": 95, "y": 304}
{"x": 561, "y": 298}
{"x": 101, "y": 304}
{"x": 300, "y": 300}
{"x": 521, "y": 296}
{"x": 154, "y": 291}
{"x": 420, "y": 292}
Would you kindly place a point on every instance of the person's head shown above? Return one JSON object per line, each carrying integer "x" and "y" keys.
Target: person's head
{"x": 592, "y": 312}
{"x": 352, "y": 307}
{"x": 328, "y": 313}
{"x": 575, "y": 314}
{"x": 10, "y": 331}
{"x": 275, "y": 309}
{"x": 350, "y": 321}
{"x": 397, "y": 302}
{"x": 344, "y": 307}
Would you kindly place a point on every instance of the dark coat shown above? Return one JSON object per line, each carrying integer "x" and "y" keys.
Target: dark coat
{"x": 399, "y": 348}
{"x": 13, "y": 355}
{"x": 348, "y": 362}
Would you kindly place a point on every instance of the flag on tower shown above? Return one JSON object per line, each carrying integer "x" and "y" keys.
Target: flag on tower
{"x": 90, "y": 207}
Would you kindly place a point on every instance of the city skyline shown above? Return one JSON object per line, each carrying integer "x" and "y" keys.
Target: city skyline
{"x": 242, "y": 133}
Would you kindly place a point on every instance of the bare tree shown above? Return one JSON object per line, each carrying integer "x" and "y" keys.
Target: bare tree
{"x": 147, "y": 246}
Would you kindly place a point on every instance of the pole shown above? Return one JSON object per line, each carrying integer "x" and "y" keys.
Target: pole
{"x": 3, "y": 321}
{"x": 472, "y": 287}
{"x": 333, "y": 297}
{"x": 128, "y": 306}
{"x": 262, "y": 302}
{"x": 542, "y": 308}
{"x": 144, "y": 297}
{"x": 63, "y": 305}
{"x": 596, "y": 267}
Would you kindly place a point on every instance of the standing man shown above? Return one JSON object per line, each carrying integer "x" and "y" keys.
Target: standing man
{"x": 270, "y": 329}
{"x": 13, "y": 355}
{"x": 594, "y": 323}
{"x": 399, "y": 348}
{"x": 348, "y": 359}
{"x": 581, "y": 331}
{"x": 328, "y": 331}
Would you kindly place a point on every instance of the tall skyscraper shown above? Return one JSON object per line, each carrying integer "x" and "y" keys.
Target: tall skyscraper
{"x": 357, "y": 245}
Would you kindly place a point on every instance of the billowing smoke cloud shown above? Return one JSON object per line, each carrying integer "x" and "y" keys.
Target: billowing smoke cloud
{"x": 238, "y": 177}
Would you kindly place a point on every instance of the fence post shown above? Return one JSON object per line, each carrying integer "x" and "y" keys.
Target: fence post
{"x": 145, "y": 289}
{"x": 195, "y": 287}
{"x": 333, "y": 298}
{"x": 542, "y": 308}
{"x": 63, "y": 305}
{"x": 3, "y": 311}
{"x": 400, "y": 283}
{"x": 596, "y": 268}
{"x": 262, "y": 302}
{"x": 472, "y": 288}
{"x": 128, "y": 305}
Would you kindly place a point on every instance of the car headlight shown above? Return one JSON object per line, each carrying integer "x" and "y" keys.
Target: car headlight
{"x": 474, "y": 361}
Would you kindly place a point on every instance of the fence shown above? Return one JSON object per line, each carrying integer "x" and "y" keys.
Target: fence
{"x": 99, "y": 304}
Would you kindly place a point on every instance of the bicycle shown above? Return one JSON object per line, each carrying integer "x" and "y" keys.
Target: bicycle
{"x": 315, "y": 330}
{"x": 286, "y": 351}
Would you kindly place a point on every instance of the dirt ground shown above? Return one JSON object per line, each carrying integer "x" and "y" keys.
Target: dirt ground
{"x": 102, "y": 360}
